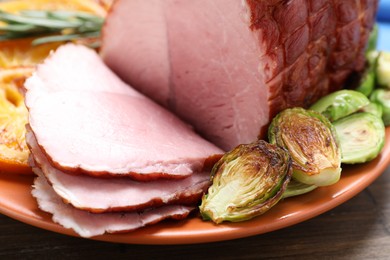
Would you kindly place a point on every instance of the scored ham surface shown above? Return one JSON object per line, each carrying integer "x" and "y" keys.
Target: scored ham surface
{"x": 117, "y": 194}
{"x": 228, "y": 66}
{"x": 86, "y": 120}
{"x": 87, "y": 224}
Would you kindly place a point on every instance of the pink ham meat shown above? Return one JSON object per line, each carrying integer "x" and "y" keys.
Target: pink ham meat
{"x": 88, "y": 225}
{"x": 228, "y": 66}
{"x": 117, "y": 194}
{"x": 86, "y": 120}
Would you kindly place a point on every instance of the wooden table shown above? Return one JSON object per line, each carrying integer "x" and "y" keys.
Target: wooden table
{"x": 357, "y": 229}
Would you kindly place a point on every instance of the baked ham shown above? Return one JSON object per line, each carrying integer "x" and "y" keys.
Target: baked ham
{"x": 88, "y": 225}
{"x": 224, "y": 66}
{"x": 86, "y": 120}
{"x": 228, "y": 66}
{"x": 99, "y": 195}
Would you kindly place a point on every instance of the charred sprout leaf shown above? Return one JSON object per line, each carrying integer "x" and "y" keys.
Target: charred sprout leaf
{"x": 382, "y": 97}
{"x": 340, "y": 104}
{"x": 295, "y": 188}
{"x": 361, "y": 137}
{"x": 373, "y": 108}
{"x": 247, "y": 182}
{"x": 311, "y": 141}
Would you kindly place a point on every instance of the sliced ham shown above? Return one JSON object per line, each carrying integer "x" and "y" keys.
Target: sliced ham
{"x": 228, "y": 66}
{"x": 86, "y": 120}
{"x": 117, "y": 194}
{"x": 87, "y": 224}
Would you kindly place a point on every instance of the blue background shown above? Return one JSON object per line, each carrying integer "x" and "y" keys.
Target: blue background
{"x": 384, "y": 25}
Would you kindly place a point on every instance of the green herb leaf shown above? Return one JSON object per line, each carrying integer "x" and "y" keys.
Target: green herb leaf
{"x": 53, "y": 26}
{"x": 65, "y": 37}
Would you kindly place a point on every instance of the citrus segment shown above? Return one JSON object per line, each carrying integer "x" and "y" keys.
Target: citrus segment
{"x": 13, "y": 118}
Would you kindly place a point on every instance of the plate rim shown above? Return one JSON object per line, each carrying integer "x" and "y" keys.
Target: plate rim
{"x": 168, "y": 232}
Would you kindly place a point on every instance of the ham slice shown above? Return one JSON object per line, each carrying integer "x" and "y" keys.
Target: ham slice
{"x": 86, "y": 120}
{"x": 117, "y": 194}
{"x": 87, "y": 224}
{"x": 228, "y": 66}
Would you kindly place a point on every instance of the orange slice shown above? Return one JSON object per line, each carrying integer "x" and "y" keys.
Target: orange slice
{"x": 17, "y": 53}
{"x": 13, "y": 118}
{"x": 80, "y": 5}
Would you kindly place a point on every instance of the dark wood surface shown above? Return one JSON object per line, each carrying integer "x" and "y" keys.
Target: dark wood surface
{"x": 357, "y": 229}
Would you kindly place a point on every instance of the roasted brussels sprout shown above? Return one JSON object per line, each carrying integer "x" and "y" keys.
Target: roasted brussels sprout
{"x": 311, "y": 141}
{"x": 383, "y": 69}
{"x": 295, "y": 188}
{"x": 367, "y": 83}
{"x": 368, "y": 80}
{"x": 372, "y": 59}
{"x": 373, "y": 39}
{"x": 382, "y": 97}
{"x": 246, "y": 182}
{"x": 361, "y": 137}
{"x": 340, "y": 104}
{"x": 373, "y": 108}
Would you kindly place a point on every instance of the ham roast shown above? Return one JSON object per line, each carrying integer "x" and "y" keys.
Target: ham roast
{"x": 228, "y": 66}
{"x": 87, "y": 120}
{"x": 225, "y": 67}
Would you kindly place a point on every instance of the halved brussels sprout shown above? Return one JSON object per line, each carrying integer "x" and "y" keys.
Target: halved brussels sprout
{"x": 382, "y": 97}
{"x": 295, "y": 188}
{"x": 361, "y": 137}
{"x": 383, "y": 69}
{"x": 311, "y": 141}
{"x": 340, "y": 104}
{"x": 247, "y": 181}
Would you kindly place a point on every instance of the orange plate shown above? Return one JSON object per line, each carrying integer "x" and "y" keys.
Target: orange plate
{"x": 16, "y": 202}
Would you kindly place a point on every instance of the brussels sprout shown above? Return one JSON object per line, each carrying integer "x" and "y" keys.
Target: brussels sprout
{"x": 373, "y": 108}
{"x": 295, "y": 188}
{"x": 367, "y": 83}
{"x": 382, "y": 97}
{"x": 383, "y": 69}
{"x": 246, "y": 182}
{"x": 373, "y": 39}
{"x": 361, "y": 137}
{"x": 311, "y": 140}
{"x": 372, "y": 59}
{"x": 340, "y": 104}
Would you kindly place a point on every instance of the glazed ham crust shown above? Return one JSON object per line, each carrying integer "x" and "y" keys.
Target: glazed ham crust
{"x": 228, "y": 66}
{"x": 316, "y": 45}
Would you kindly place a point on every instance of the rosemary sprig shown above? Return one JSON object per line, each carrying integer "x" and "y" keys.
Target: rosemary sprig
{"x": 49, "y": 26}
